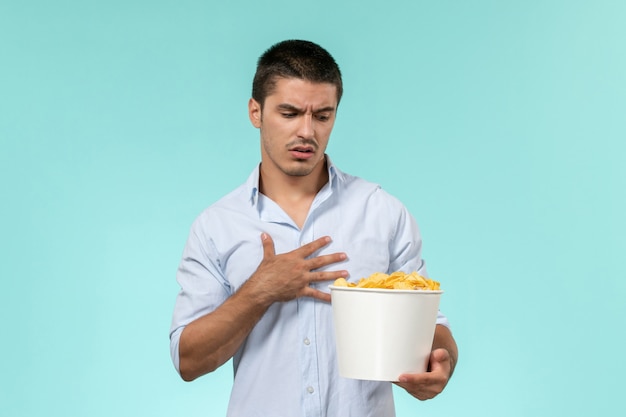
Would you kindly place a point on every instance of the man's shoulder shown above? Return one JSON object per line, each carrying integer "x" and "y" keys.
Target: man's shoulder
{"x": 364, "y": 187}
{"x": 363, "y": 191}
{"x": 235, "y": 199}
{"x": 353, "y": 182}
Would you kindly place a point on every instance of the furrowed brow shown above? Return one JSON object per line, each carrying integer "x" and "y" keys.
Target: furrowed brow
{"x": 325, "y": 110}
{"x": 289, "y": 107}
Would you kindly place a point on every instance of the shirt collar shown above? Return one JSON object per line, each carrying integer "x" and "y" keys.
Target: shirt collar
{"x": 252, "y": 184}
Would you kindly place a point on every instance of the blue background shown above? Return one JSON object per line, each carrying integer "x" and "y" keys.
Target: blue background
{"x": 500, "y": 124}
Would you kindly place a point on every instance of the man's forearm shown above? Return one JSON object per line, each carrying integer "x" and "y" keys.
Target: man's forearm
{"x": 211, "y": 340}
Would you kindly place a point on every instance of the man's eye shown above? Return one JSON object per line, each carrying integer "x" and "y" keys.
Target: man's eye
{"x": 322, "y": 117}
{"x": 289, "y": 115}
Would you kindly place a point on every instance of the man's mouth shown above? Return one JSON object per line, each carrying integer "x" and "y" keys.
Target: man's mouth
{"x": 302, "y": 149}
{"x": 302, "y": 152}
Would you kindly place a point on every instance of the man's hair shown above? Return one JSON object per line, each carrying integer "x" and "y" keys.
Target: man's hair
{"x": 295, "y": 59}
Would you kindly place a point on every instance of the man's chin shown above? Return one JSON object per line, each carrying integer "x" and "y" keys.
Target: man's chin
{"x": 298, "y": 172}
{"x": 300, "y": 168}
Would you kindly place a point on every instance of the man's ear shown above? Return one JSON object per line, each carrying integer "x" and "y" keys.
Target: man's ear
{"x": 254, "y": 112}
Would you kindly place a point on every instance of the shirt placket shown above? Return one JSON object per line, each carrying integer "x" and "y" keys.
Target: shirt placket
{"x": 308, "y": 346}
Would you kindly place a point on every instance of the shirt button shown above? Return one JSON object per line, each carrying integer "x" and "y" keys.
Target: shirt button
{"x": 310, "y": 390}
{"x": 307, "y": 341}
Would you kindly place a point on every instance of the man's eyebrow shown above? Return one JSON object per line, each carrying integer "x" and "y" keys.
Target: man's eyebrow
{"x": 325, "y": 109}
{"x": 291, "y": 107}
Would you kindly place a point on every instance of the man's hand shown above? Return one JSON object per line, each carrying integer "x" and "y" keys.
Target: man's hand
{"x": 427, "y": 385}
{"x": 287, "y": 276}
{"x": 441, "y": 365}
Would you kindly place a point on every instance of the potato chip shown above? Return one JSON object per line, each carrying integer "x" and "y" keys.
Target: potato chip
{"x": 341, "y": 282}
{"x": 396, "y": 281}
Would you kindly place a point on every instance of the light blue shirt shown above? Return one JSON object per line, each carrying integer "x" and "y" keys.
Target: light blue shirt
{"x": 287, "y": 366}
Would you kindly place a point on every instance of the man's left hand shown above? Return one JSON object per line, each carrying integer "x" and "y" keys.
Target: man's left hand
{"x": 427, "y": 385}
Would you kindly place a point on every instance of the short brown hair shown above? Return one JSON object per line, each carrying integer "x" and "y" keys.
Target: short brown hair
{"x": 295, "y": 59}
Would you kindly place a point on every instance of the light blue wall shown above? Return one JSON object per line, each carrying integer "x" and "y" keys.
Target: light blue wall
{"x": 501, "y": 125}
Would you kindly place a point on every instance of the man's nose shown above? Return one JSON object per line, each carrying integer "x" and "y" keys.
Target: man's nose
{"x": 306, "y": 127}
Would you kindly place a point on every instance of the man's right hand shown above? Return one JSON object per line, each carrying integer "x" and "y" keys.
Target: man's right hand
{"x": 287, "y": 276}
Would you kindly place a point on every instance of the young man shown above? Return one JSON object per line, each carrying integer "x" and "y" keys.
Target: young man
{"x": 257, "y": 264}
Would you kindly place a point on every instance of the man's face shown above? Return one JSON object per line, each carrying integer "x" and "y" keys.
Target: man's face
{"x": 295, "y": 125}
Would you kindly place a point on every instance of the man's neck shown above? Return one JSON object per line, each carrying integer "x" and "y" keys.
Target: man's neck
{"x": 293, "y": 194}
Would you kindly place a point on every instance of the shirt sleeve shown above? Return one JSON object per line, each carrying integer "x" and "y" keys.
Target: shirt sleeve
{"x": 406, "y": 250}
{"x": 203, "y": 286}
